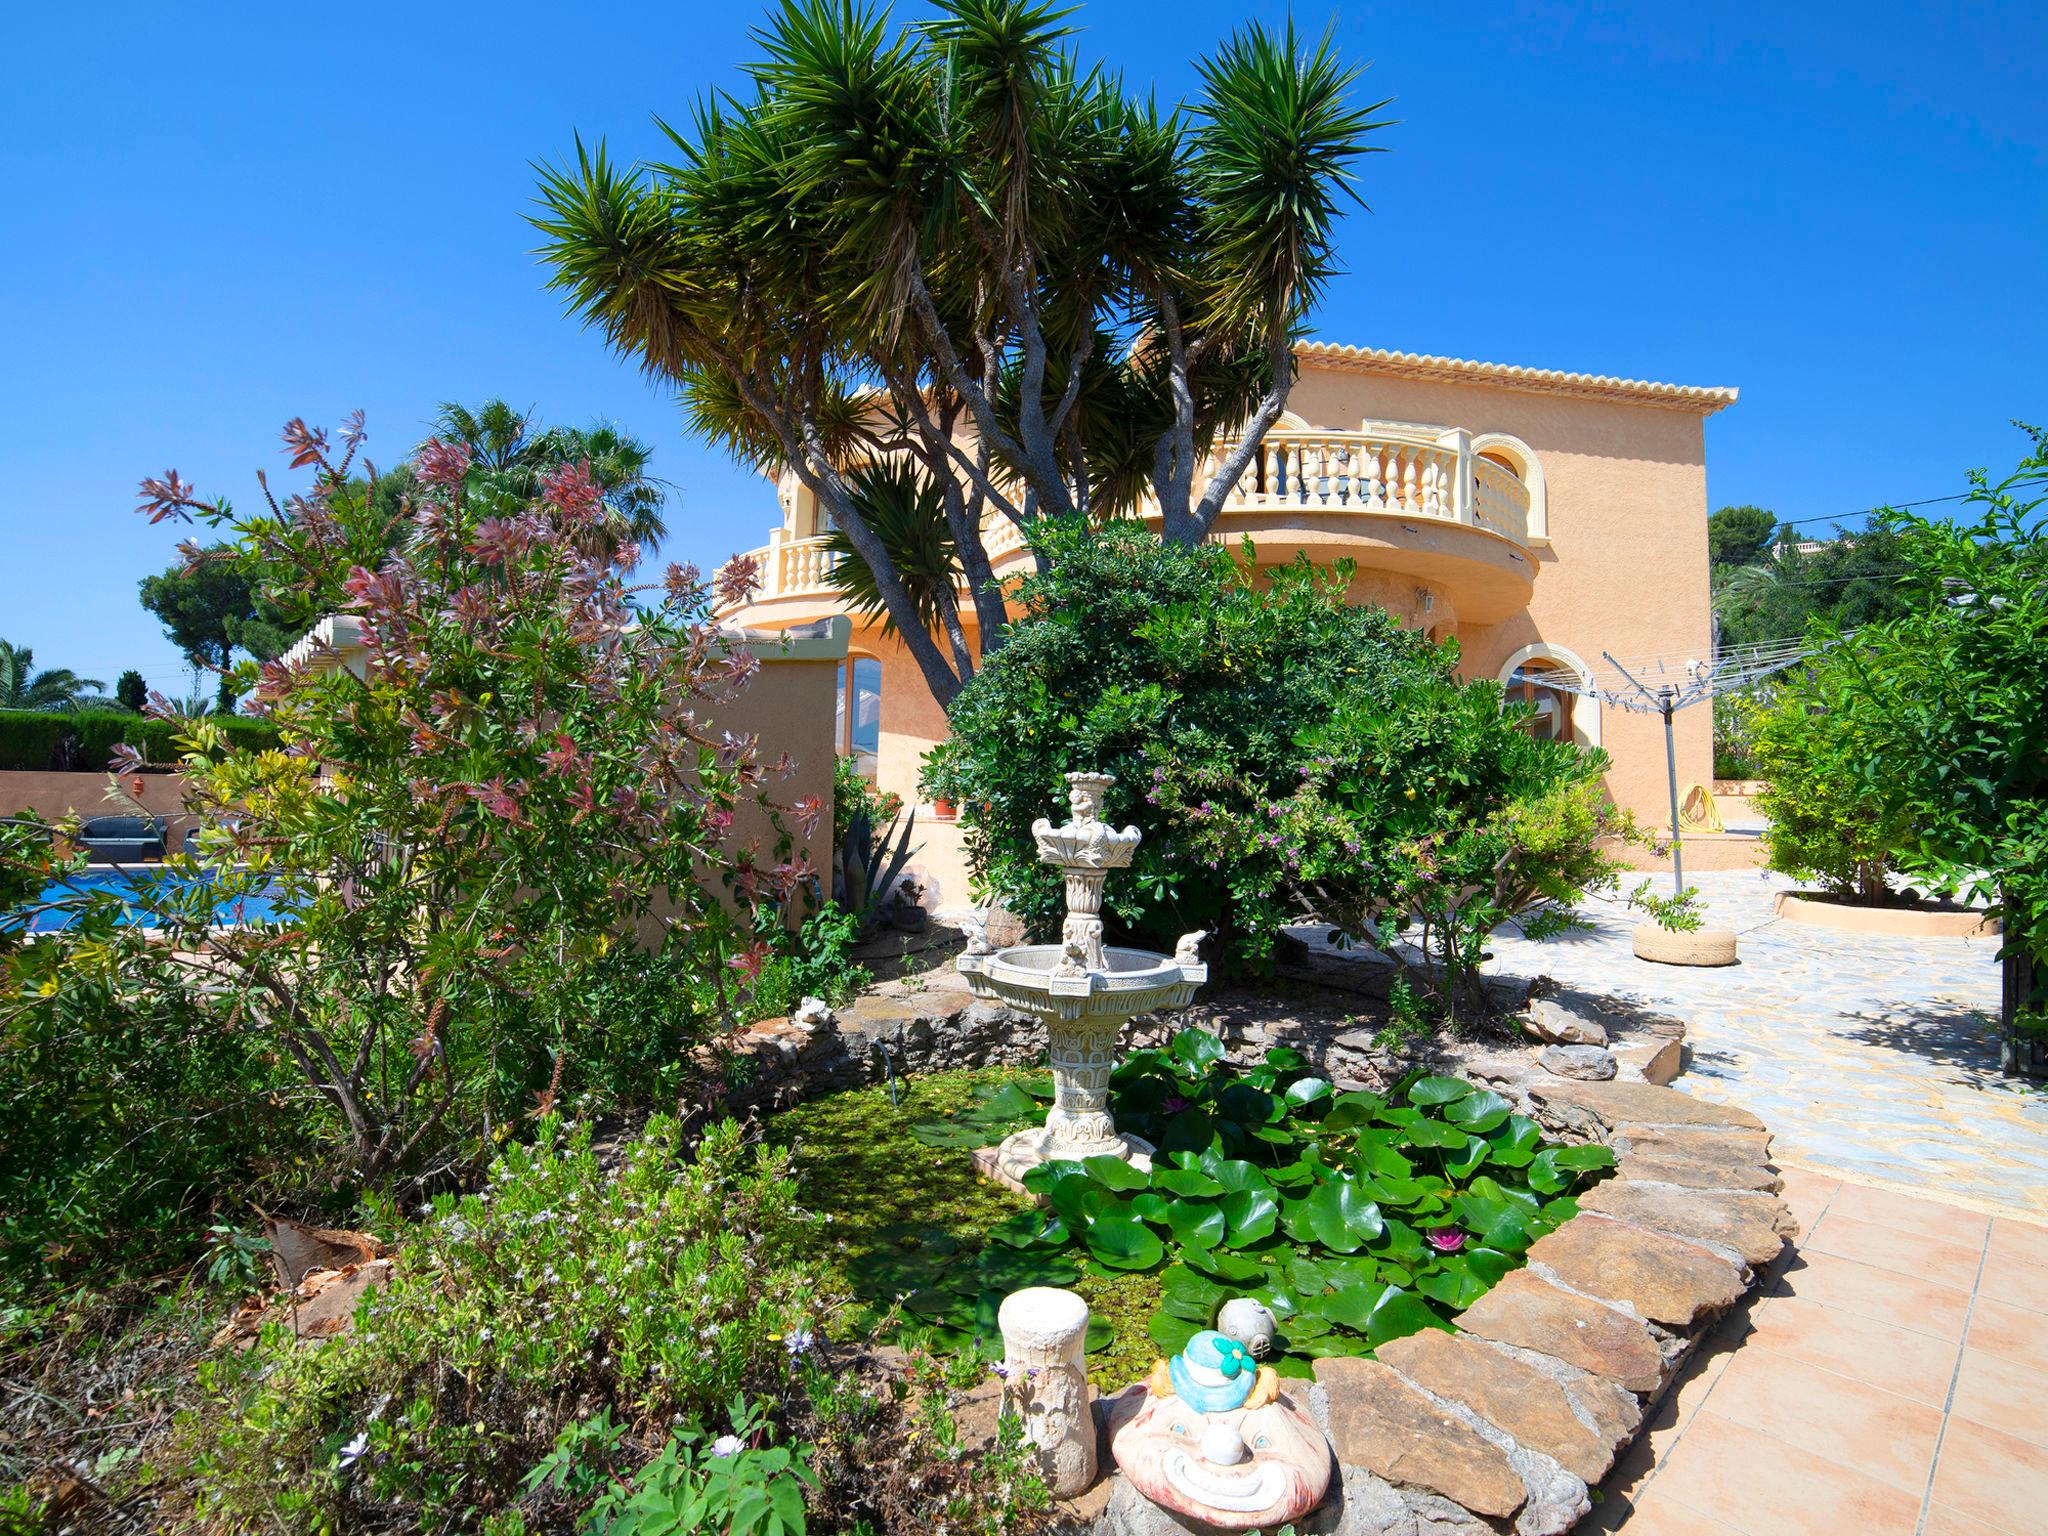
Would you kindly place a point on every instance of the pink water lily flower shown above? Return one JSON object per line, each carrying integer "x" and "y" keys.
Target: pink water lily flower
{"x": 1447, "y": 1239}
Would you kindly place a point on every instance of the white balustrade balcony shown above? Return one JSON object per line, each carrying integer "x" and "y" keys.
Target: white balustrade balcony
{"x": 1382, "y": 474}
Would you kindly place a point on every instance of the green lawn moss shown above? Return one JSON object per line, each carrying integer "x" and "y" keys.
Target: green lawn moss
{"x": 891, "y": 1197}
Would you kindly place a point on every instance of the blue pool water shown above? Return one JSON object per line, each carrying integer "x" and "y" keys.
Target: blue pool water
{"x": 249, "y": 909}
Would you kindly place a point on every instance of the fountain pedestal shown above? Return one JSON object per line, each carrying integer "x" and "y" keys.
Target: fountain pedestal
{"x": 1084, "y": 991}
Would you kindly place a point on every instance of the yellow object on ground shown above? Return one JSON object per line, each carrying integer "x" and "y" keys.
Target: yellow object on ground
{"x": 1697, "y": 811}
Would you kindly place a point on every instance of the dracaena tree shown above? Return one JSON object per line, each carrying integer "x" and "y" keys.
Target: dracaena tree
{"x": 957, "y": 244}
{"x": 519, "y": 773}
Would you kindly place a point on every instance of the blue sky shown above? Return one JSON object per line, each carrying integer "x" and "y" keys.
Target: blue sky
{"x": 219, "y": 217}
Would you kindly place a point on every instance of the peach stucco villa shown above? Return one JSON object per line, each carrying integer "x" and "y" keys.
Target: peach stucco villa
{"x": 1541, "y": 517}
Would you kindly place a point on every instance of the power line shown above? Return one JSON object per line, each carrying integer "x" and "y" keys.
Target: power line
{"x": 1889, "y": 506}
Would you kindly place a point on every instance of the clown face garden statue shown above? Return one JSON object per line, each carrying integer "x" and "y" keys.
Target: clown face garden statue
{"x": 1211, "y": 1436}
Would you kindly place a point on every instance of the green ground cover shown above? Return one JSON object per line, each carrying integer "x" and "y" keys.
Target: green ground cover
{"x": 1355, "y": 1217}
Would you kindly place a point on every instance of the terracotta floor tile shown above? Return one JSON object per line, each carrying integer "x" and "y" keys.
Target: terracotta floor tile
{"x": 1992, "y": 1477}
{"x": 2021, "y": 1240}
{"x": 2015, "y": 1281}
{"x": 2003, "y": 1394}
{"x": 1905, "y": 1302}
{"x": 1906, "y": 1213}
{"x": 1891, "y": 1438}
{"x": 1903, "y": 1253}
{"x": 2013, "y": 1333}
{"x": 1943, "y": 1521}
{"x": 1656, "y": 1516}
{"x": 1762, "y": 1486}
{"x": 1913, "y": 1365}
{"x": 1808, "y": 1194}
{"x": 1660, "y": 1431}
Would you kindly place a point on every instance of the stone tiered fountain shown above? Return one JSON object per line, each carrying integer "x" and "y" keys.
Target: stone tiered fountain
{"x": 1085, "y": 992}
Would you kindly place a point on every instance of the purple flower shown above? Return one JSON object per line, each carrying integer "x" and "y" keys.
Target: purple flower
{"x": 1447, "y": 1239}
{"x": 1173, "y": 1105}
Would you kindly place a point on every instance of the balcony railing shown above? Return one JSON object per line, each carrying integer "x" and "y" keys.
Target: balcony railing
{"x": 1383, "y": 471}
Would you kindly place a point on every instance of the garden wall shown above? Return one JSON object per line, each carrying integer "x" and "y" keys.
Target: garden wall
{"x": 54, "y": 796}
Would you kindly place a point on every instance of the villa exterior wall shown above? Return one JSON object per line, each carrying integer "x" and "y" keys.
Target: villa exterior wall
{"x": 1608, "y": 556}
{"x": 1625, "y": 568}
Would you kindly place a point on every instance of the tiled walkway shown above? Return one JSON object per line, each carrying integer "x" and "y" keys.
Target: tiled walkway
{"x": 1867, "y": 1056}
{"x": 1892, "y": 1379}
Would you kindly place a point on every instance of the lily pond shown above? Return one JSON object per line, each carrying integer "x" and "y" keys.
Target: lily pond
{"x": 1356, "y": 1217}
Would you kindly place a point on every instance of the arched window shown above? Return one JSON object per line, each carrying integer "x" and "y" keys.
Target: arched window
{"x": 1544, "y": 677}
{"x": 1519, "y": 459}
{"x": 857, "y": 730}
{"x": 808, "y": 518}
{"x": 1534, "y": 683}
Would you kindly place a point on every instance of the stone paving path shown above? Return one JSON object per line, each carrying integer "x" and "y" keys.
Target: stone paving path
{"x": 1869, "y": 1056}
{"x": 1891, "y": 1379}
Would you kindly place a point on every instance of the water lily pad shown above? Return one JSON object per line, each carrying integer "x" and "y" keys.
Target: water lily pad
{"x": 1479, "y": 1111}
{"x": 1343, "y": 1216}
{"x": 1249, "y": 1215}
{"x": 1115, "y": 1173}
{"x": 1124, "y": 1244}
{"x": 1438, "y": 1090}
{"x": 1197, "y": 1050}
{"x": 1185, "y": 1181}
{"x": 1307, "y": 1090}
{"x": 1200, "y": 1226}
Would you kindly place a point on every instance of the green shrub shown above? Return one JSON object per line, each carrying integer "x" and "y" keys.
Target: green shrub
{"x": 84, "y": 740}
{"x": 122, "y": 1115}
{"x": 660, "y": 1288}
{"x": 1287, "y": 755}
{"x": 812, "y": 962}
{"x": 1830, "y": 821}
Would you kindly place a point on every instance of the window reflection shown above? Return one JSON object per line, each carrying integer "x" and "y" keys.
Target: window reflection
{"x": 858, "y": 725}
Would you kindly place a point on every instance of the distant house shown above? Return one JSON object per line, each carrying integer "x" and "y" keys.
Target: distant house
{"x": 1539, "y": 517}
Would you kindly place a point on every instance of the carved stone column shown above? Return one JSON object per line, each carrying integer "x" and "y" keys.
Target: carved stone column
{"x": 1045, "y": 1336}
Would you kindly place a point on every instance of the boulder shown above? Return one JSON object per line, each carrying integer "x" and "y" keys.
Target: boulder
{"x": 1528, "y": 1311}
{"x": 1513, "y": 1397}
{"x": 1556, "y": 1024}
{"x": 1381, "y": 1423}
{"x": 1750, "y": 1225}
{"x": 1590, "y": 1063}
{"x": 1664, "y": 1279}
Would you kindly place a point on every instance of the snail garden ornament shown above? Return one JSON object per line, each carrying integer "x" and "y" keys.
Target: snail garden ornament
{"x": 1211, "y": 1436}
{"x": 1251, "y": 1324}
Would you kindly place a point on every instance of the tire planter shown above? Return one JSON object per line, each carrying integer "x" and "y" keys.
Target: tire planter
{"x": 1702, "y": 946}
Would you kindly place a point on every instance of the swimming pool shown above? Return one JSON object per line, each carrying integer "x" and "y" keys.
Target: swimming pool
{"x": 120, "y": 882}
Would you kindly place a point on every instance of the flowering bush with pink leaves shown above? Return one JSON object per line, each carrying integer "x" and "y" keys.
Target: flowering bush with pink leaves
{"x": 513, "y": 782}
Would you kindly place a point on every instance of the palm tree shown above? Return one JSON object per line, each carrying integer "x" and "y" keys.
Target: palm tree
{"x": 22, "y": 687}
{"x": 908, "y": 514}
{"x": 510, "y": 454}
{"x": 981, "y": 253}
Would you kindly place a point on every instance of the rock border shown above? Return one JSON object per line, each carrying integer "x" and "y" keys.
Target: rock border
{"x": 1507, "y": 1424}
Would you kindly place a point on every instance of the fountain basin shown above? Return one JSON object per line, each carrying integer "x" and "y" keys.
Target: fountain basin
{"x": 1133, "y": 981}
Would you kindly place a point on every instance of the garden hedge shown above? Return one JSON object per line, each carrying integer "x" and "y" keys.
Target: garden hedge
{"x": 84, "y": 740}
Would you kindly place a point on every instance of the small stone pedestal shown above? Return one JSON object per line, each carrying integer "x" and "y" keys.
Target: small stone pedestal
{"x": 1045, "y": 1338}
